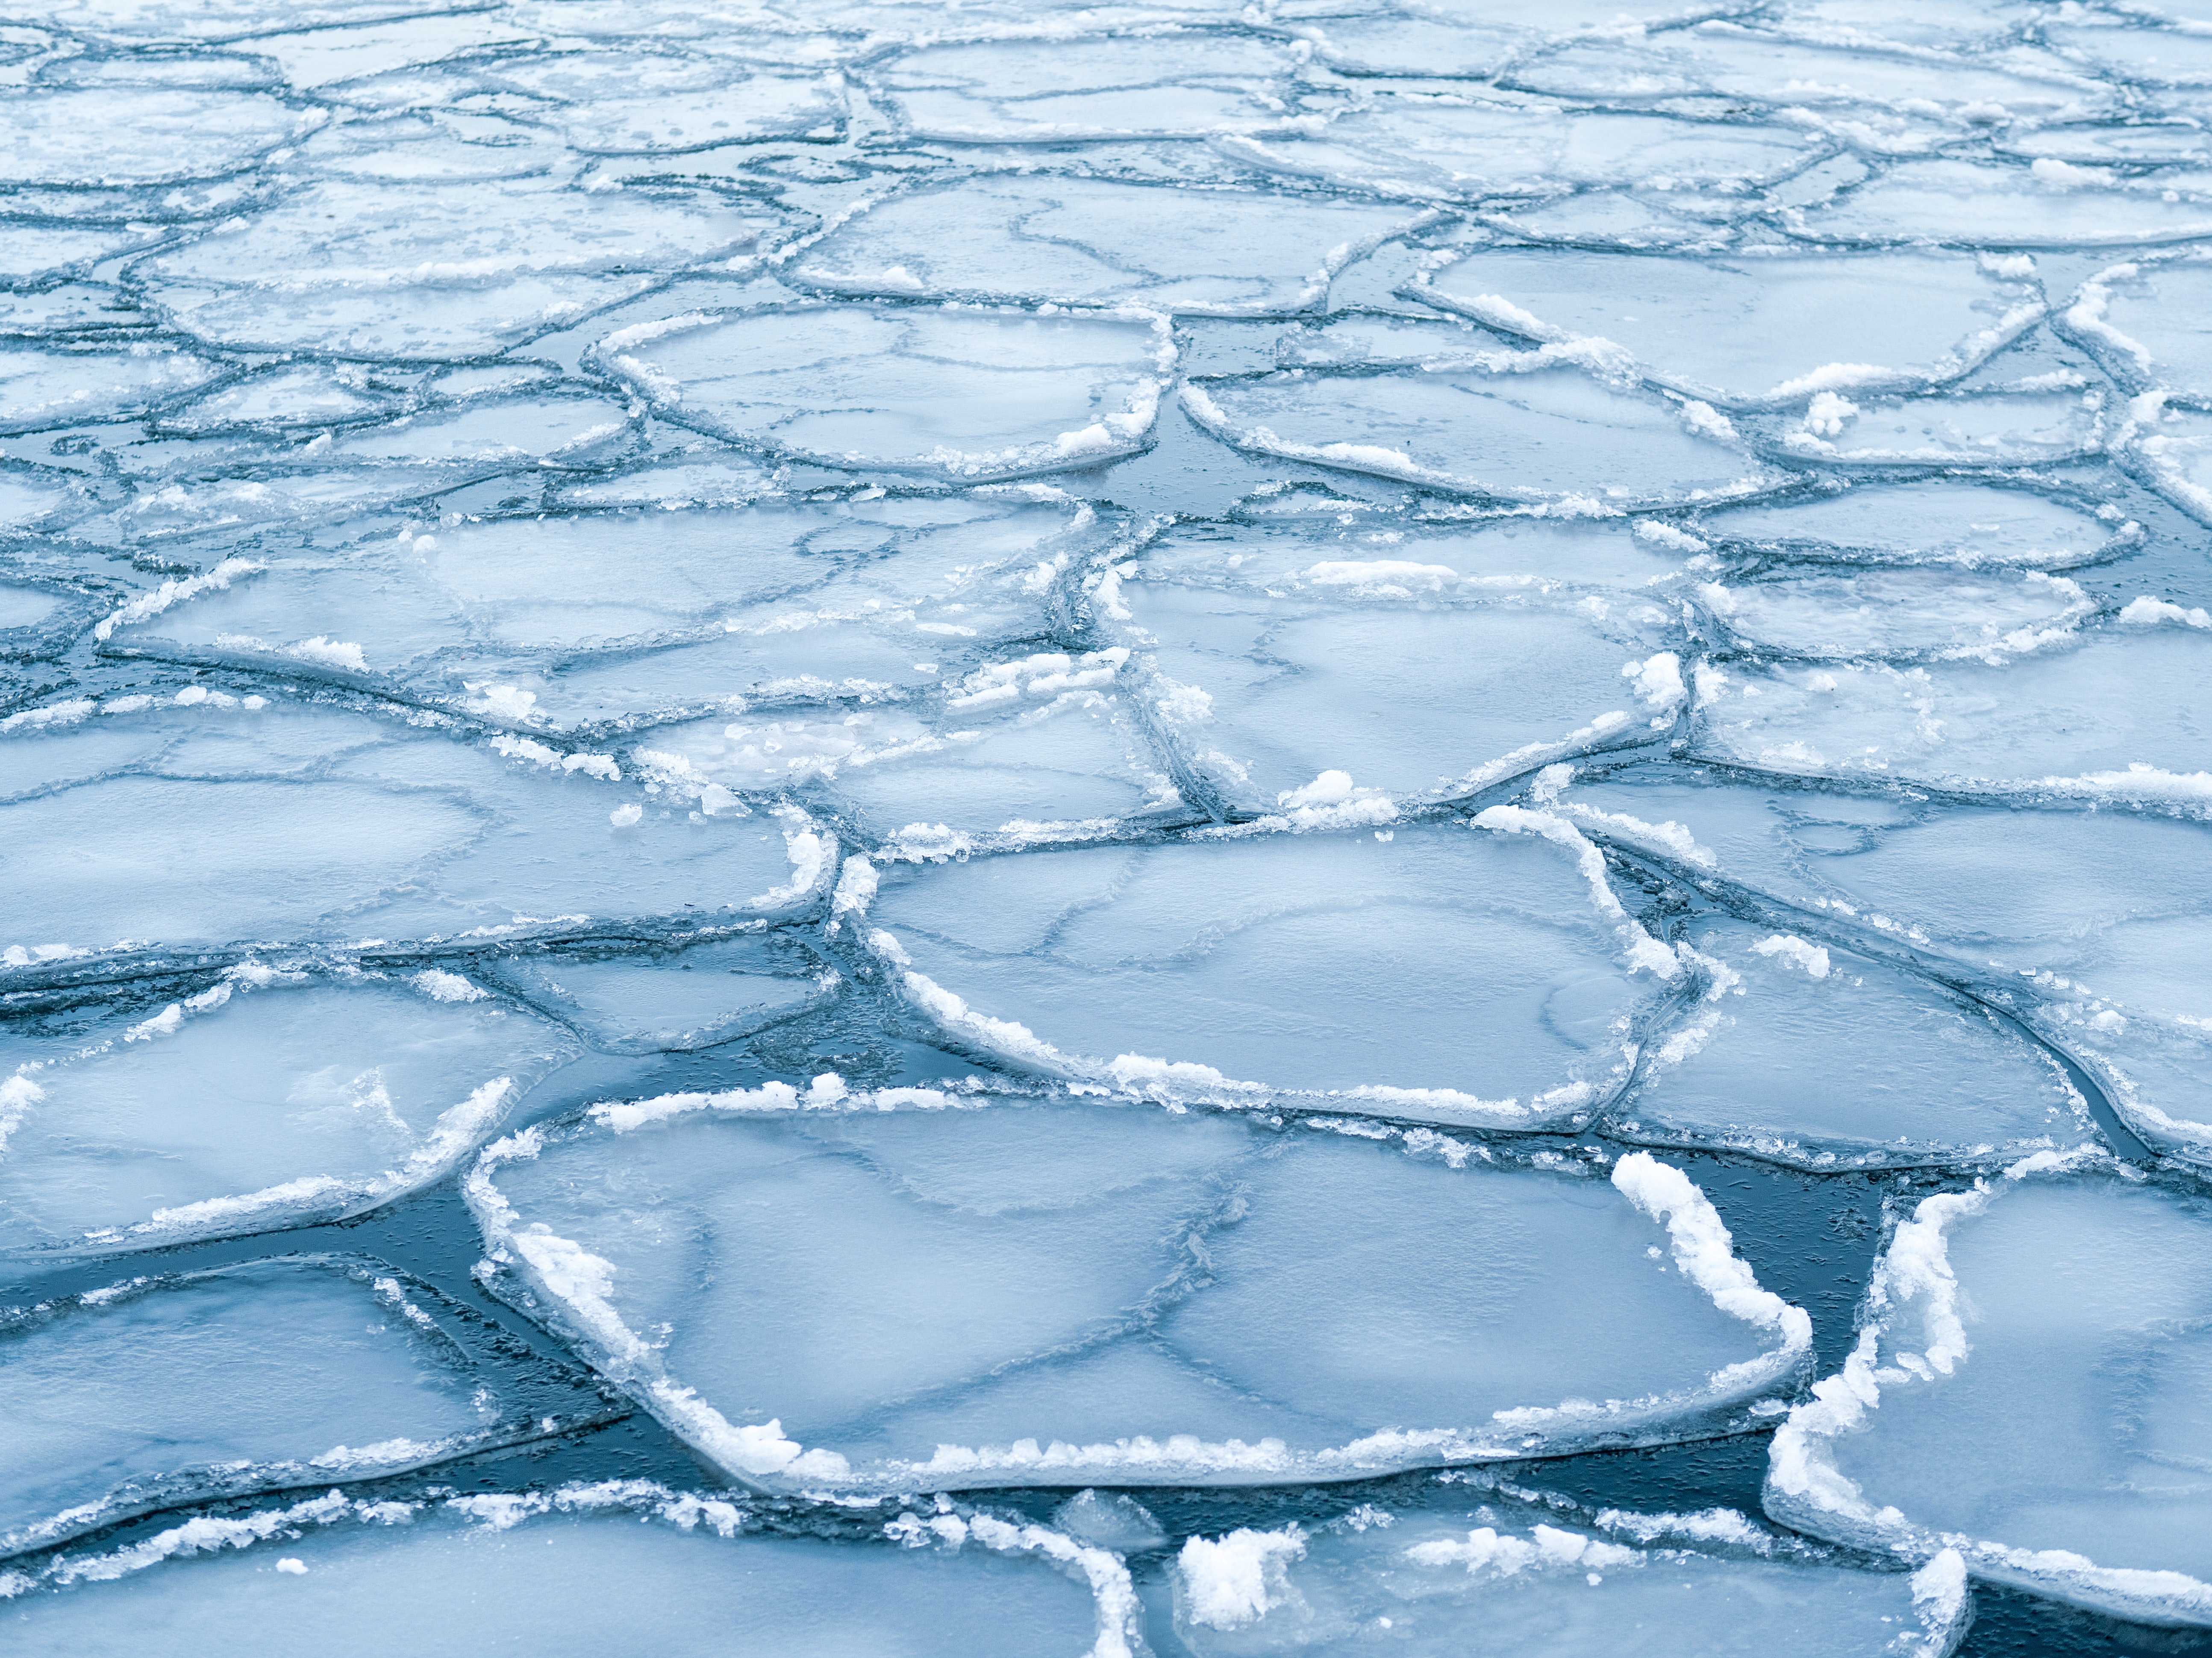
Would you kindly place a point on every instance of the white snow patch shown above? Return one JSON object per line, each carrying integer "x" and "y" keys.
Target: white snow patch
{"x": 174, "y": 590}
{"x": 1796, "y": 952}
{"x": 1237, "y": 1581}
{"x": 440, "y": 986}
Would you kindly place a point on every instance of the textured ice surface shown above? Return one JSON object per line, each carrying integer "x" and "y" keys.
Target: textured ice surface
{"x": 207, "y": 818}
{"x": 1513, "y": 431}
{"x": 1057, "y": 1292}
{"x": 966, "y": 392}
{"x": 1387, "y": 968}
{"x": 269, "y": 1096}
{"x": 1509, "y": 1575}
{"x": 2065, "y": 1311}
{"x": 156, "y": 1391}
{"x": 1818, "y": 1056}
{"x": 1045, "y": 742}
{"x": 587, "y": 1569}
{"x": 1284, "y": 652}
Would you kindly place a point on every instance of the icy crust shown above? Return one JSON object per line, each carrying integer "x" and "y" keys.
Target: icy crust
{"x": 1952, "y": 522}
{"x": 410, "y": 268}
{"x": 124, "y": 1400}
{"x": 1903, "y": 617}
{"x": 1146, "y": 83}
{"x": 1473, "y": 147}
{"x": 2062, "y": 1305}
{"x": 673, "y": 999}
{"x": 1826, "y": 1059}
{"x": 1515, "y": 1574}
{"x": 2044, "y": 712}
{"x": 1511, "y": 426}
{"x": 1040, "y": 746}
{"x": 2067, "y": 921}
{"x": 1299, "y": 974}
{"x": 302, "y": 820}
{"x": 2174, "y": 447}
{"x": 1764, "y": 330}
{"x": 538, "y": 624}
{"x": 960, "y": 391}
{"x": 1090, "y": 241}
{"x": 1396, "y": 658}
{"x": 583, "y": 1568}
{"x": 1165, "y": 1325}
{"x": 271, "y": 1096}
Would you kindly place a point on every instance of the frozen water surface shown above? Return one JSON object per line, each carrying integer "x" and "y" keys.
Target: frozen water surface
{"x": 587, "y": 1569}
{"x": 1162, "y": 827}
{"x": 2067, "y": 1311}
{"x": 1507, "y": 1574}
{"x": 267, "y": 1096}
{"x": 1115, "y": 1289}
{"x": 153, "y": 1392}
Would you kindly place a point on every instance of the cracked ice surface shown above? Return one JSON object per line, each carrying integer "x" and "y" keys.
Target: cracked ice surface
{"x": 760, "y": 761}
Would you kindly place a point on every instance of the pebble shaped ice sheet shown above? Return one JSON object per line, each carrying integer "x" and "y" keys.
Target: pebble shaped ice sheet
{"x": 1043, "y": 747}
{"x": 279, "y": 399}
{"x": 426, "y": 148}
{"x": 1551, "y": 436}
{"x": 318, "y": 58}
{"x": 2066, "y": 1310}
{"x": 216, "y": 822}
{"x": 1094, "y": 241}
{"x": 2071, "y": 918}
{"x": 42, "y": 385}
{"x": 2011, "y": 205}
{"x": 1508, "y": 1576}
{"x": 662, "y": 1000}
{"x": 70, "y": 137}
{"x": 649, "y": 103}
{"x": 566, "y": 431}
{"x": 1951, "y": 522}
{"x": 2159, "y": 58}
{"x": 1276, "y": 657}
{"x": 1473, "y": 151}
{"x": 2176, "y": 447}
{"x": 1473, "y": 976}
{"x": 209, "y": 20}
{"x": 1764, "y": 328}
{"x": 579, "y": 1571}
{"x": 1178, "y": 83}
{"x": 23, "y": 608}
{"x": 1827, "y": 82}
{"x": 1901, "y": 615}
{"x": 2109, "y": 714}
{"x": 167, "y": 1390}
{"x": 1826, "y": 1059}
{"x": 550, "y": 621}
{"x": 1066, "y": 1292}
{"x": 1966, "y": 428}
{"x": 2148, "y": 316}
{"x": 941, "y": 389}
{"x": 266, "y": 1098}
{"x": 472, "y": 269}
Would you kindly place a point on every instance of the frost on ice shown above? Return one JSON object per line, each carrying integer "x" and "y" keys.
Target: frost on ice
{"x": 1516, "y": 1572}
{"x": 2063, "y": 1310}
{"x": 1060, "y": 1293}
{"x": 941, "y": 746}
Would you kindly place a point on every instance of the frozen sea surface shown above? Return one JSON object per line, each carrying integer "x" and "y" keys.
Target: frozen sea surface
{"x": 1168, "y": 827}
